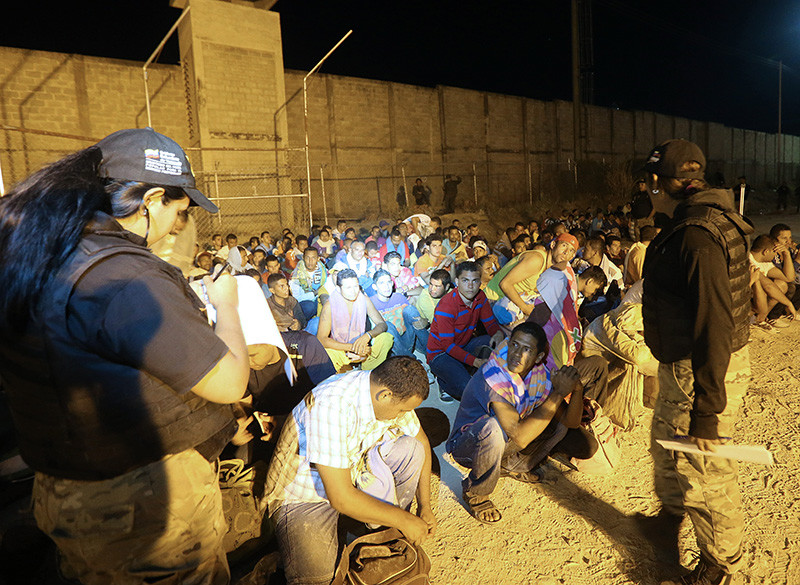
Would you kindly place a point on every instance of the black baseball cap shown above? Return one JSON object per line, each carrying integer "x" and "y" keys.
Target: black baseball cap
{"x": 142, "y": 154}
{"x": 666, "y": 159}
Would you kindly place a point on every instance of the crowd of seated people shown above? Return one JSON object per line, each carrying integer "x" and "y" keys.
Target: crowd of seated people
{"x": 518, "y": 330}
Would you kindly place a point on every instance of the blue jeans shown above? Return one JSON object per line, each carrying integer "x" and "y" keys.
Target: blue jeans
{"x": 404, "y": 343}
{"x": 452, "y": 374}
{"x": 307, "y": 531}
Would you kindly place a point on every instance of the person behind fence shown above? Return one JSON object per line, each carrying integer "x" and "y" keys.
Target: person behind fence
{"x": 450, "y": 192}
{"x": 119, "y": 388}
{"x": 421, "y": 193}
{"x": 696, "y": 322}
{"x": 454, "y": 348}
{"x": 512, "y": 416}
{"x": 307, "y": 282}
{"x": 353, "y": 447}
{"x": 343, "y": 326}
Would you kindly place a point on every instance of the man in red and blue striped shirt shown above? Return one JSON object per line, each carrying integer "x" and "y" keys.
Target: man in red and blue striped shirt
{"x": 453, "y": 349}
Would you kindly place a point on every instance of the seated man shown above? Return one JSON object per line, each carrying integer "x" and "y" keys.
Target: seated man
{"x": 453, "y": 246}
{"x": 512, "y": 416}
{"x": 488, "y": 270}
{"x": 285, "y": 308}
{"x": 513, "y": 289}
{"x": 634, "y": 260}
{"x": 433, "y": 259}
{"x": 440, "y": 285}
{"x": 326, "y": 245}
{"x": 618, "y": 337}
{"x": 557, "y": 312}
{"x": 403, "y": 278}
{"x": 355, "y": 259}
{"x": 399, "y": 315}
{"x": 308, "y": 282}
{"x": 396, "y": 243}
{"x": 769, "y": 283}
{"x": 353, "y": 447}
{"x": 454, "y": 349}
{"x": 343, "y": 326}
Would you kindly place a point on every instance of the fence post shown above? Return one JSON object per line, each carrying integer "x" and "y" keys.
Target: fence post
{"x": 405, "y": 185}
{"x": 324, "y": 198}
{"x": 530, "y": 185}
{"x": 378, "y": 189}
{"x": 216, "y": 191}
{"x": 475, "y": 184}
{"x": 541, "y": 177}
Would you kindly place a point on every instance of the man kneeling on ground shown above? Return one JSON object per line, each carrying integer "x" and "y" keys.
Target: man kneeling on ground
{"x": 354, "y": 446}
{"x": 513, "y": 415}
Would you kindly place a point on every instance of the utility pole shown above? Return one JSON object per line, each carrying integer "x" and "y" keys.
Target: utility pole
{"x": 780, "y": 112}
{"x": 576, "y": 84}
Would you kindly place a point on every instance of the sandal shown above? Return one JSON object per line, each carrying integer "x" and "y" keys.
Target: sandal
{"x": 535, "y": 475}
{"x": 478, "y": 508}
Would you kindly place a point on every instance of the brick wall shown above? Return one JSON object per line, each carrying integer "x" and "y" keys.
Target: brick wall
{"x": 366, "y": 133}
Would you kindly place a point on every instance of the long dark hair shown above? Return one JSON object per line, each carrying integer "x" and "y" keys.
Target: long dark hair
{"x": 42, "y": 220}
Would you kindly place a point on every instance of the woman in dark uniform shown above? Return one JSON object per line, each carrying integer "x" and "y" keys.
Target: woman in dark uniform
{"x": 118, "y": 387}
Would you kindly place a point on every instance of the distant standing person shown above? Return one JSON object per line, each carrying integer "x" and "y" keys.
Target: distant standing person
{"x": 421, "y": 193}
{"x": 696, "y": 310}
{"x": 450, "y": 189}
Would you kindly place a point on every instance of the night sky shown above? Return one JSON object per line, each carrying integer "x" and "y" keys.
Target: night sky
{"x": 686, "y": 58}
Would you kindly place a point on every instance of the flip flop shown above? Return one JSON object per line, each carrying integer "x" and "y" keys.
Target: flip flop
{"x": 476, "y": 509}
{"x": 535, "y": 475}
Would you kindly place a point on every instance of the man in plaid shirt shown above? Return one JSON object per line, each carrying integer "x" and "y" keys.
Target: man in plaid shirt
{"x": 354, "y": 446}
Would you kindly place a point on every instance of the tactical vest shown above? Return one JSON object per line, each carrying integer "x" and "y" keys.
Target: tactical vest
{"x": 80, "y": 415}
{"x": 730, "y": 230}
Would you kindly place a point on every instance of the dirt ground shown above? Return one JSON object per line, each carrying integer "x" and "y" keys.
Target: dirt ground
{"x": 578, "y": 529}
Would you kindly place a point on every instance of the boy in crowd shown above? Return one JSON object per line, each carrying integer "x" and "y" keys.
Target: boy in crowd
{"x": 308, "y": 282}
{"x": 403, "y": 278}
{"x": 453, "y": 346}
{"x": 769, "y": 284}
{"x": 399, "y": 315}
{"x": 634, "y": 260}
{"x": 355, "y": 259}
{"x": 453, "y": 246}
{"x": 287, "y": 311}
{"x": 348, "y": 420}
{"x": 396, "y": 243}
{"x": 433, "y": 259}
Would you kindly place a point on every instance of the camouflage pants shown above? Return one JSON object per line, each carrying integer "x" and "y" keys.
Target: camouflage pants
{"x": 706, "y": 488}
{"x": 159, "y": 523}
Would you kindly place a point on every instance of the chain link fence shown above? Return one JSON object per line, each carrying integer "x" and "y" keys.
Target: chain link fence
{"x": 356, "y": 191}
{"x": 268, "y": 197}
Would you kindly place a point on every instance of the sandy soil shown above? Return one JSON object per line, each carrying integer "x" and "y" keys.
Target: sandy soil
{"x": 575, "y": 528}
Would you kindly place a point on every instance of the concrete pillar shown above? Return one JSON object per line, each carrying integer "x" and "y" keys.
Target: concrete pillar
{"x": 234, "y": 82}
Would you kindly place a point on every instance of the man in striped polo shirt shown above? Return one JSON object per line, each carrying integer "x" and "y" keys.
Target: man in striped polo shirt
{"x": 454, "y": 350}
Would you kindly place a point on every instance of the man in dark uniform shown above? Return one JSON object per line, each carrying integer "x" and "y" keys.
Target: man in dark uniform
{"x": 696, "y": 322}
{"x": 118, "y": 387}
{"x": 450, "y": 189}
